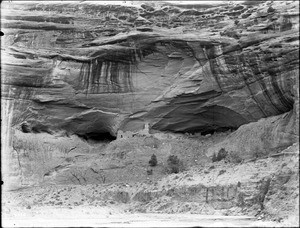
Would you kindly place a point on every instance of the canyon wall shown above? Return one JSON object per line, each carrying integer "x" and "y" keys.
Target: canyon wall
{"x": 92, "y": 69}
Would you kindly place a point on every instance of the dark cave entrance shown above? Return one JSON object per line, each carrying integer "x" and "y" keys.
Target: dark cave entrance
{"x": 206, "y": 120}
{"x": 207, "y": 130}
{"x": 97, "y": 137}
{"x": 218, "y": 130}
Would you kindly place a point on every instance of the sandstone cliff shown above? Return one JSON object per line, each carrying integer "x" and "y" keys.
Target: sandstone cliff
{"x": 91, "y": 69}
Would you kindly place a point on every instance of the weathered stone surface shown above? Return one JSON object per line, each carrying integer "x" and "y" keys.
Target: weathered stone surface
{"x": 88, "y": 69}
{"x": 258, "y": 139}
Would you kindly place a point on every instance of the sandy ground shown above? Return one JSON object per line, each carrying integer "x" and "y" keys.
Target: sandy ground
{"x": 112, "y": 217}
{"x": 112, "y": 204}
{"x": 32, "y": 208}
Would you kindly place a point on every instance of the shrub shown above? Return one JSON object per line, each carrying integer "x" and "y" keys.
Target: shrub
{"x": 271, "y": 10}
{"x": 174, "y": 164}
{"x": 221, "y": 172}
{"x": 25, "y": 127}
{"x": 153, "y": 160}
{"x": 220, "y": 156}
{"x": 149, "y": 171}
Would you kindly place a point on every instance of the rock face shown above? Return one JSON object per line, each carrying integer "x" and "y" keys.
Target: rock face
{"x": 92, "y": 69}
{"x": 261, "y": 138}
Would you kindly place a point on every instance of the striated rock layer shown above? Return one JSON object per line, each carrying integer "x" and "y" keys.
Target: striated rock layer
{"x": 92, "y": 69}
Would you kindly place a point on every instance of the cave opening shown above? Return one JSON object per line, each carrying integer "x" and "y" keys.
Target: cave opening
{"x": 218, "y": 130}
{"x": 207, "y": 130}
{"x": 97, "y": 137}
{"x": 206, "y": 120}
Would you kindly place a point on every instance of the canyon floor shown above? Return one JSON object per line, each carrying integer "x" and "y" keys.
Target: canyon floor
{"x": 110, "y": 217}
{"x": 259, "y": 192}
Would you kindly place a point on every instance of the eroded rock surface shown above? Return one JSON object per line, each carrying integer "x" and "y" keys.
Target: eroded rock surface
{"x": 93, "y": 69}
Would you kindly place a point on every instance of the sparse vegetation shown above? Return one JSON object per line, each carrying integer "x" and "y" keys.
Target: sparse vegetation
{"x": 149, "y": 171}
{"x": 175, "y": 165}
{"x": 153, "y": 160}
{"x": 221, "y": 172}
{"x": 222, "y": 154}
{"x": 271, "y": 10}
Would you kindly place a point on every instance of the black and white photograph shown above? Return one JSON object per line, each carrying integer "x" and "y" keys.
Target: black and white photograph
{"x": 150, "y": 113}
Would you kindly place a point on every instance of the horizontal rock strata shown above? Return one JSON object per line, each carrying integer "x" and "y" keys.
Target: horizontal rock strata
{"x": 89, "y": 69}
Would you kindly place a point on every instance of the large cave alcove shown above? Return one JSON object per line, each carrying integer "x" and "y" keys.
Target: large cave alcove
{"x": 92, "y": 126}
{"x": 97, "y": 137}
{"x": 210, "y": 130}
{"x": 193, "y": 118}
